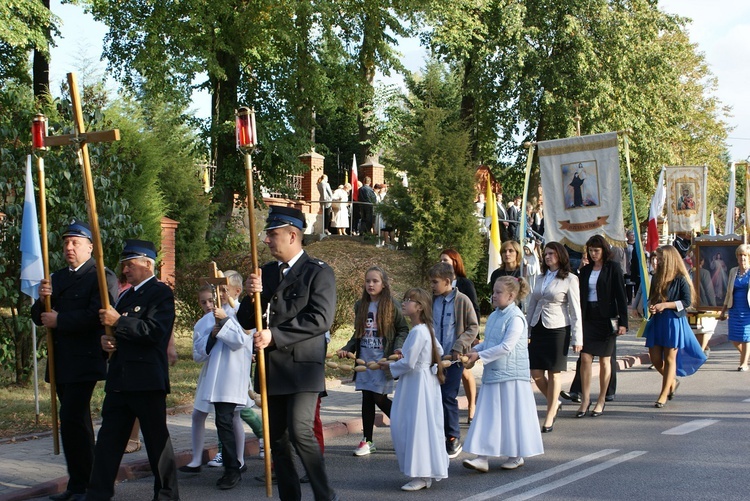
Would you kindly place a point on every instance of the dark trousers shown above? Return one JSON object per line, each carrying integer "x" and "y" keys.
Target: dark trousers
{"x": 290, "y": 418}
{"x": 77, "y": 432}
{"x": 369, "y": 400}
{"x": 119, "y": 411}
{"x": 449, "y": 390}
{"x": 575, "y": 386}
{"x": 224, "y": 427}
{"x": 326, "y": 218}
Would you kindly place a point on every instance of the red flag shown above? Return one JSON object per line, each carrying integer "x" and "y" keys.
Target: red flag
{"x": 355, "y": 181}
{"x": 657, "y": 206}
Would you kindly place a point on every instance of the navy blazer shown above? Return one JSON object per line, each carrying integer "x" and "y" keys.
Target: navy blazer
{"x": 678, "y": 290}
{"x": 300, "y": 311}
{"x": 142, "y": 334}
{"x": 75, "y": 298}
{"x": 610, "y": 291}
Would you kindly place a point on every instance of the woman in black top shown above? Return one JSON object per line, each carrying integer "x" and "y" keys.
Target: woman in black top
{"x": 603, "y": 303}
{"x": 510, "y": 257}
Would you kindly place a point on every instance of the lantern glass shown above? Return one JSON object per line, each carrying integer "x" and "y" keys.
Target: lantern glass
{"x": 38, "y": 131}
{"x": 245, "y": 122}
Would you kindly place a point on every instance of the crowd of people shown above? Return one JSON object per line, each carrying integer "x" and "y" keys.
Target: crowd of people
{"x": 542, "y": 306}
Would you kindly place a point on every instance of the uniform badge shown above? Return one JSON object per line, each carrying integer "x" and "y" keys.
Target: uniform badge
{"x": 124, "y": 314}
{"x": 137, "y": 309}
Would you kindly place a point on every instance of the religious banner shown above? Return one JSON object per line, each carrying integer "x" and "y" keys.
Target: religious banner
{"x": 582, "y": 193}
{"x": 686, "y": 198}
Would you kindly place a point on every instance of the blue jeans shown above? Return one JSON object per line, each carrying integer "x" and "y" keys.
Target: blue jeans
{"x": 449, "y": 390}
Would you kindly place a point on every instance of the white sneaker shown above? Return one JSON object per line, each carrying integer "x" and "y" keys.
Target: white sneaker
{"x": 217, "y": 461}
{"x": 512, "y": 463}
{"x": 479, "y": 463}
{"x": 364, "y": 448}
{"x": 261, "y": 448}
{"x": 417, "y": 484}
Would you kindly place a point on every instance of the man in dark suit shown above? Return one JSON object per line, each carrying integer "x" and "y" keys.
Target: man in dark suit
{"x": 138, "y": 377}
{"x": 79, "y": 361}
{"x": 299, "y": 295}
{"x": 368, "y": 199}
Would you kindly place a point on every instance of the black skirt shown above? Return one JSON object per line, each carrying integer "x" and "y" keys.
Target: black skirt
{"x": 548, "y": 348}
{"x": 598, "y": 338}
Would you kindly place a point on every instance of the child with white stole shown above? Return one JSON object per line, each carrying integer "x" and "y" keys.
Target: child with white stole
{"x": 505, "y": 422}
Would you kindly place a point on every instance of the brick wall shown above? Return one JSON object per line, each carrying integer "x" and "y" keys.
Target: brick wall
{"x": 168, "y": 231}
{"x": 314, "y": 163}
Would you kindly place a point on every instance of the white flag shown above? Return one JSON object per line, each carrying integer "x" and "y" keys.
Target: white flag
{"x": 729, "y": 223}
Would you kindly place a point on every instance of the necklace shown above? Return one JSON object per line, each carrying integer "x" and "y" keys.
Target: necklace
{"x": 741, "y": 273}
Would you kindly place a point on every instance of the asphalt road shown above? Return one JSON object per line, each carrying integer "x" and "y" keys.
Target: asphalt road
{"x": 694, "y": 448}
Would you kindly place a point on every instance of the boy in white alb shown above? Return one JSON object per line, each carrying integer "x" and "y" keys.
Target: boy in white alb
{"x": 227, "y": 373}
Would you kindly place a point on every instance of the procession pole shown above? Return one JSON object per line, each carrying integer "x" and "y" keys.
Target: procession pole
{"x": 38, "y": 133}
{"x": 246, "y": 141}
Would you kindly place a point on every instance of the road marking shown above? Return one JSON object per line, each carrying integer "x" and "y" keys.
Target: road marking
{"x": 577, "y": 476}
{"x": 746, "y": 400}
{"x": 539, "y": 476}
{"x": 690, "y": 427}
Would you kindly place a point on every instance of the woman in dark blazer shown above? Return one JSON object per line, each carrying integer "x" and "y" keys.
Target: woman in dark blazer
{"x": 602, "y": 303}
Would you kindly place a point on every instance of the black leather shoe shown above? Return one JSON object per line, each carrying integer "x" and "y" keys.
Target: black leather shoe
{"x": 229, "y": 480}
{"x": 262, "y": 478}
{"x": 67, "y": 495}
{"x": 597, "y": 414}
{"x": 243, "y": 468}
{"x": 566, "y": 395}
{"x": 609, "y": 398}
{"x": 546, "y": 429}
{"x": 582, "y": 413}
{"x": 189, "y": 469}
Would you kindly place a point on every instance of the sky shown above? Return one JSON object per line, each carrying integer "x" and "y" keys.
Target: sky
{"x": 719, "y": 28}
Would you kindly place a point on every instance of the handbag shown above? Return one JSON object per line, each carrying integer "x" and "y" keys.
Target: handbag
{"x": 615, "y": 324}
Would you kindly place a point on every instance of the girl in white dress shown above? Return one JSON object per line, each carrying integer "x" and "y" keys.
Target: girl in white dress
{"x": 505, "y": 421}
{"x": 417, "y": 412}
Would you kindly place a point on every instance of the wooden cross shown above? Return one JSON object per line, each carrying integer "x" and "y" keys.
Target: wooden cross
{"x": 80, "y": 140}
{"x": 216, "y": 280}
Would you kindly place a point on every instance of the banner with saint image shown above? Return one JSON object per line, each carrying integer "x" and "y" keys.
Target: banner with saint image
{"x": 582, "y": 193}
{"x": 686, "y": 198}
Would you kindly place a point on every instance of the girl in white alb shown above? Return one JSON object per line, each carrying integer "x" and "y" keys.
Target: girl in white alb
{"x": 505, "y": 421}
{"x": 417, "y": 411}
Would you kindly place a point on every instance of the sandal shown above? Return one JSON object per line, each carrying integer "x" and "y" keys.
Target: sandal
{"x": 133, "y": 446}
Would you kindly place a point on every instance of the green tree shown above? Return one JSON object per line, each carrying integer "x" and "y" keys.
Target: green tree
{"x": 627, "y": 64}
{"x": 433, "y": 212}
{"x": 25, "y": 26}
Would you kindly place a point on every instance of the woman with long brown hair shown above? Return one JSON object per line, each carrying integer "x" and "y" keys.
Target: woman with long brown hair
{"x": 673, "y": 348}
{"x": 554, "y": 314}
{"x": 379, "y": 330}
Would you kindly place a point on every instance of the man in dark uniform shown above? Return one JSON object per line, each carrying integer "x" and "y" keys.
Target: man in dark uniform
{"x": 79, "y": 361}
{"x": 138, "y": 377}
{"x": 299, "y": 295}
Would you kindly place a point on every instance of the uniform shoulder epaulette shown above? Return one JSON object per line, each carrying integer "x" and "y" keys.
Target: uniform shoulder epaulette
{"x": 317, "y": 262}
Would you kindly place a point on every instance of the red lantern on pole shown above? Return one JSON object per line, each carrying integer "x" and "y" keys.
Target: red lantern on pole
{"x": 246, "y": 135}
{"x": 38, "y": 132}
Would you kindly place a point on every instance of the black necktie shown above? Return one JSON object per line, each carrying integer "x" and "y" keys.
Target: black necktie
{"x": 282, "y": 268}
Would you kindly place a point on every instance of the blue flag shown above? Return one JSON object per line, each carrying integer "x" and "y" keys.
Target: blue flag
{"x": 32, "y": 269}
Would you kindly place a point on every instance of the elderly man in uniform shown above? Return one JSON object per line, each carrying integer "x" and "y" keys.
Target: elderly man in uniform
{"x": 299, "y": 295}
{"x": 80, "y": 363}
{"x": 138, "y": 377}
